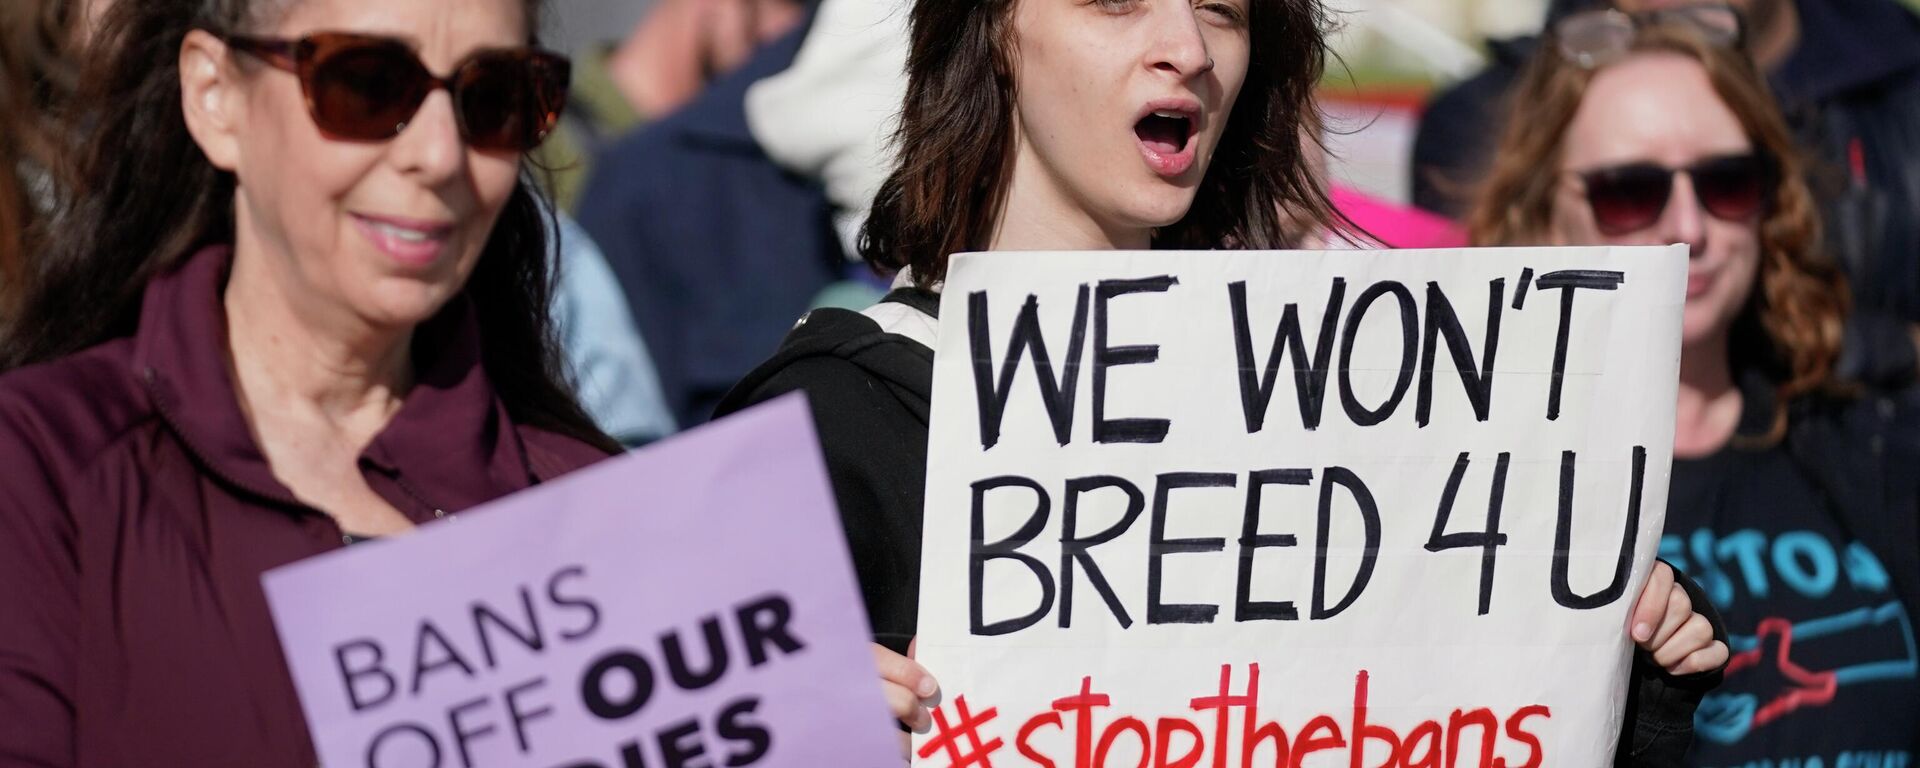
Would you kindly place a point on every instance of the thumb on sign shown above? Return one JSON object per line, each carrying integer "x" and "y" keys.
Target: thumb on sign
{"x": 908, "y": 686}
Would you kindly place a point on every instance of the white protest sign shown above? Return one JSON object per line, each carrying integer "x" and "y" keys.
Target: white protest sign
{"x": 690, "y": 605}
{"x": 1384, "y": 508}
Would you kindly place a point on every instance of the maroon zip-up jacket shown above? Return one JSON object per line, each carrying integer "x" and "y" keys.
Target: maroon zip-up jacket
{"x": 137, "y": 514}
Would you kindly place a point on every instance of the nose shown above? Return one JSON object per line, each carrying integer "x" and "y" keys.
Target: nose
{"x": 1179, "y": 47}
{"x": 430, "y": 149}
{"x": 1683, "y": 221}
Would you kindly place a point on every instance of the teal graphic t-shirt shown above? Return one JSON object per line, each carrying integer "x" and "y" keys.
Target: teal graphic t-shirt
{"x": 1824, "y": 672}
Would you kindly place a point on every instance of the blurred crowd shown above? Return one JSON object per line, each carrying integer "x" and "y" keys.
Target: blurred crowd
{"x": 711, "y": 175}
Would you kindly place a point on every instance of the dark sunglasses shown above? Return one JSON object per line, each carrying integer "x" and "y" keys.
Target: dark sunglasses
{"x": 367, "y": 87}
{"x": 1596, "y": 38}
{"x": 1632, "y": 197}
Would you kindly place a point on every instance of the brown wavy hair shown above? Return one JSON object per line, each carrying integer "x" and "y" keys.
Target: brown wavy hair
{"x": 37, "y": 75}
{"x": 956, "y": 147}
{"x": 1791, "y": 326}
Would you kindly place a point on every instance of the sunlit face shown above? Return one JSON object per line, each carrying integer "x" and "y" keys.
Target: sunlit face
{"x": 1661, "y": 108}
{"x": 383, "y": 232}
{"x": 1122, "y": 104}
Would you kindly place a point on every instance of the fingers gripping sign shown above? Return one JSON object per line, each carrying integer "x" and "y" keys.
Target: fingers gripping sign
{"x": 1667, "y": 626}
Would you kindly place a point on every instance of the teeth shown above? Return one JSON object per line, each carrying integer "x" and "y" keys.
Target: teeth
{"x": 402, "y": 233}
{"x": 1170, "y": 115}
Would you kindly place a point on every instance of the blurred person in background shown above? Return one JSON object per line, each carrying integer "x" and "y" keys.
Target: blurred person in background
{"x": 607, "y": 359}
{"x": 831, "y": 115}
{"x": 1847, "y": 76}
{"x": 716, "y": 245}
{"x": 1794, "y": 499}
{"x": 622, "y": 337}
{"x": 677, "y": 49}
{"x": 286, "y": 307}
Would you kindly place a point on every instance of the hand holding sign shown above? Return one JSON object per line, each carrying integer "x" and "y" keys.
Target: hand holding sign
{"x": 907, "y": 687}
{"x": 1665, "y": 625}
{"x": 1370, "y": 509}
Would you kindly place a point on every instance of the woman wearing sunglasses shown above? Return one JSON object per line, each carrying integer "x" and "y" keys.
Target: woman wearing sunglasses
{"x": 1046, "y": 125}
{"x": 300, "y": 298}
{"x": 1794, "y": 495}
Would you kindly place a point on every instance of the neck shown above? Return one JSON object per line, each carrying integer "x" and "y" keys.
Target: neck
{"x": 1707, "y": 409}
{"x": 290, "y": 356}
{"x": 1039, "y": 215}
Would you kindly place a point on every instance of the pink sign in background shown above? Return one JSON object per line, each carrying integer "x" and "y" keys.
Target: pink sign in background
{"x": 691, "y": 604}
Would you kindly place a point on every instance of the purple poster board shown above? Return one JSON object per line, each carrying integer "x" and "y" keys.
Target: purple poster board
{"x": 690, "y": 604}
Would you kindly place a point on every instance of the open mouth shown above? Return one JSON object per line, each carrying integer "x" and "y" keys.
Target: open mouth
{"x": 1165, "y": 133}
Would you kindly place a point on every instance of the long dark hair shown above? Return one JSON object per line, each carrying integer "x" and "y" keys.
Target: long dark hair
{"x": 145, "y": 198}
{"x": 955, "y": 140}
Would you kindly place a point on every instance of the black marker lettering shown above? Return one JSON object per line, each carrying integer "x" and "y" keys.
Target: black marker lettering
{"x": 1409, "y": 352}
{"x": 1104, "y": 357}
{"x": 1072, "y": 547}
{"x": 1056, "y": 394}
{"x": 1563, "y": 538}
{"x": 1571, "y": 281}
{"x": 1159, "y": 546}
{"x": 1369, "y": 516}
{"x": 1309, "y": 377}
{"x": 1251, "y": 540}
{"x": 1442, "y": 322}
{"x": 1006, "y": 549}
{"x": 1490, "y": 540}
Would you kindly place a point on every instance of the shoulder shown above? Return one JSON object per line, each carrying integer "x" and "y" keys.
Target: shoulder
{"x": 838, "y": 355}
{"x": 59, "y": 417}
{"x": 1865, "y": 427}
{"x": 81, "y": 401}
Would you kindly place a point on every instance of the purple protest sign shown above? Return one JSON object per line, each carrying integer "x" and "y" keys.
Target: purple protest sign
{"x": 688, "y": 605}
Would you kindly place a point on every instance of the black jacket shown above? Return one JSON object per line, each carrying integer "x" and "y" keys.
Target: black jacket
{"x": 870, "y": 391}
{"x": 1850, "y": 90}
{"x": 1864, "y": 451}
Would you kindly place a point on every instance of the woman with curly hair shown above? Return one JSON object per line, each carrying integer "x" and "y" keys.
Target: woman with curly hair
{"x": 1793, "y": 499}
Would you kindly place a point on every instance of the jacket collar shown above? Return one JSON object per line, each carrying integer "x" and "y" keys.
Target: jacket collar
{"x": 451, "y": 443}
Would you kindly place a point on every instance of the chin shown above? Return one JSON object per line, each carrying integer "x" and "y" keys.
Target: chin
{"x": 1703, "y": 326}
{"x": 406, "y": 306}
{"x": 1162, "y": 208}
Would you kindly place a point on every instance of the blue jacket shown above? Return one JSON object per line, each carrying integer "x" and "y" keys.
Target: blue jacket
{"x": 717, "y": 248}
{"x": 611, "y": 368}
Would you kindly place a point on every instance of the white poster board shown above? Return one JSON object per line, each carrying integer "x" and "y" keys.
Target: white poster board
{"x": 1384, "y": 508}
